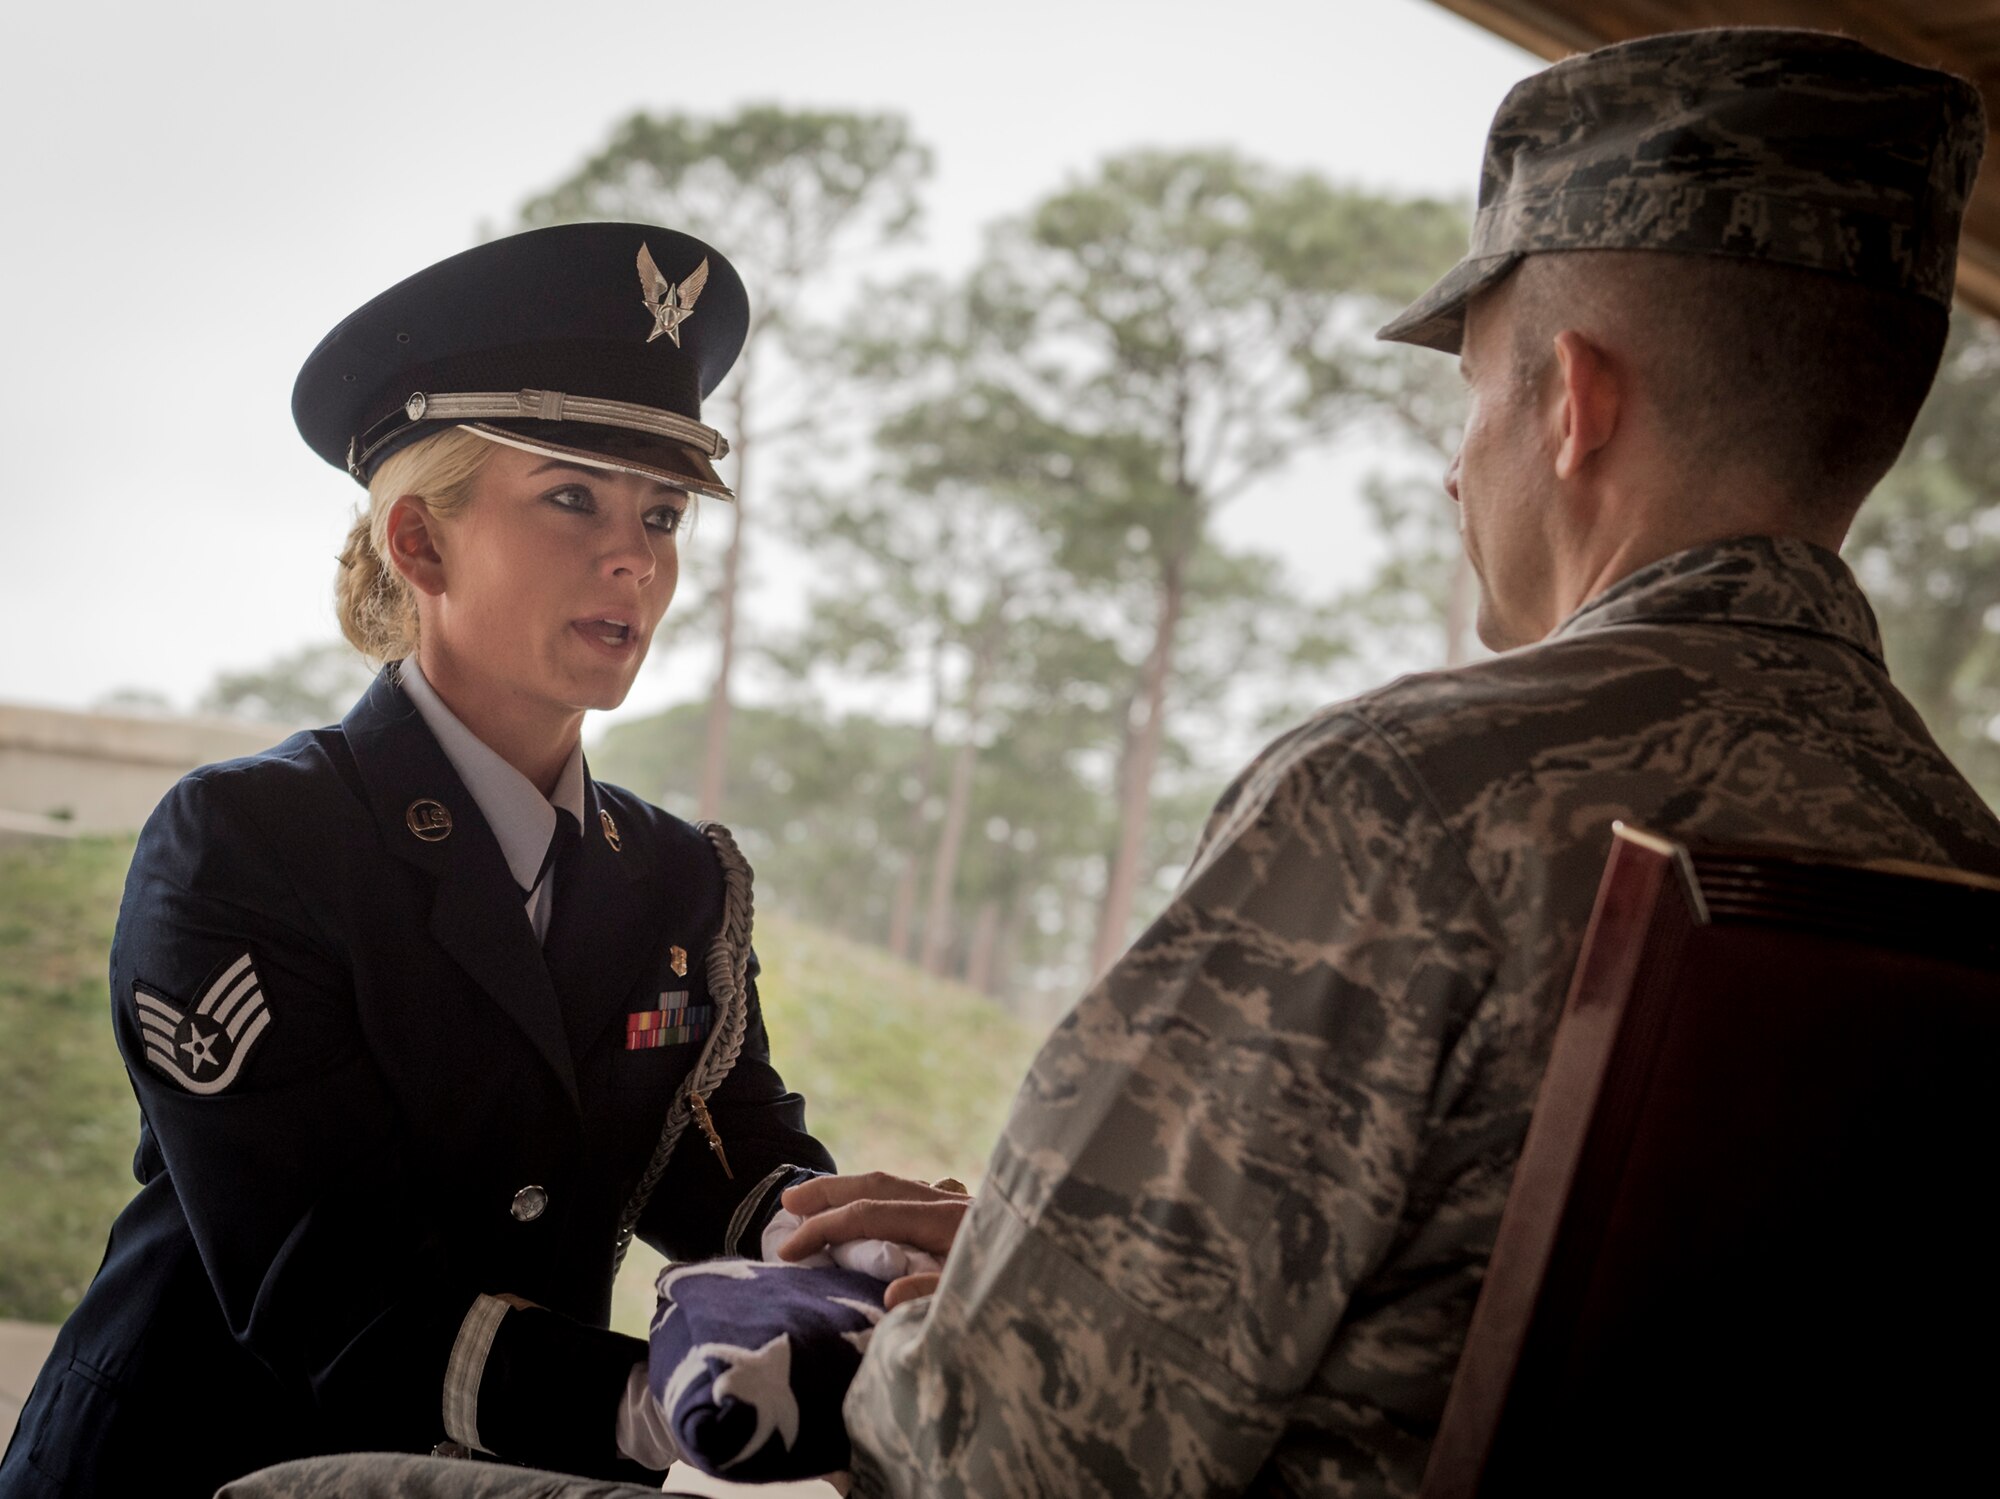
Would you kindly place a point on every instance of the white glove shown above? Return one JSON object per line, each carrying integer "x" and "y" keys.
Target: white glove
{"x": 880, "y": 1258}
{"x": 642, "y": 1425}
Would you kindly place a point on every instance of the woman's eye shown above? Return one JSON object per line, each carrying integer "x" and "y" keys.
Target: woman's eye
{"x": 572, "y": 497}
{"x": 666, "y": 520}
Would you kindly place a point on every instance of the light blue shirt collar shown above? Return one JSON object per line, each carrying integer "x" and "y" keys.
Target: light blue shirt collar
{"x": 522, "y": 819}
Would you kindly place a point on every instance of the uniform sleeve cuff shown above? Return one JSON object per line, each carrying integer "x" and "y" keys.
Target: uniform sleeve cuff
{"x": 746, "y": 1224}
{"x": 466, "y": 1367}
{"x": 551, "y": 1392}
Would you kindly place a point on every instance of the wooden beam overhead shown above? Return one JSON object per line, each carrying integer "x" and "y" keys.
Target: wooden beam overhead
{"x": 1962, "y": 36}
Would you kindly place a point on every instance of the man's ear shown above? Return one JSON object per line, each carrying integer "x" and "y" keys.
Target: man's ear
{"x": 1589, "y": 396}
{"x": 413, "y": 548}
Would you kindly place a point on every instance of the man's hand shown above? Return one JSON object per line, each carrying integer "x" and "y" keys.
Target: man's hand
{"x": 876, "y": 1206}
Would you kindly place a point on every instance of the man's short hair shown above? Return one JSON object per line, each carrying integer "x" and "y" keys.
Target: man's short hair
{"x": 1811, "y": 378}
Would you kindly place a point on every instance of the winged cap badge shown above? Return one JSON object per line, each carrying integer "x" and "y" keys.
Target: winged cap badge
{"x": 670, "y": 302}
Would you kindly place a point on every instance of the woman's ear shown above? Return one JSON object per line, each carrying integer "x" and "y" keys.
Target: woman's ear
{"x": 413, "y": 545}
{"x": 1589, "y": 397}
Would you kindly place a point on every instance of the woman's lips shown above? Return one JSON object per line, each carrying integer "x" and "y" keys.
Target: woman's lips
{"x": 615, "y": 637}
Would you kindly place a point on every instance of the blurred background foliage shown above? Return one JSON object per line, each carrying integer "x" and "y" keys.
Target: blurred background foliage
{"x": 1926, "y": 546}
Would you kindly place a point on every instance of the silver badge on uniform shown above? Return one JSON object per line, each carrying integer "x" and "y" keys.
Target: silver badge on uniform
{"x": 204, "y": 1048}
{"x": 670, "y": 302}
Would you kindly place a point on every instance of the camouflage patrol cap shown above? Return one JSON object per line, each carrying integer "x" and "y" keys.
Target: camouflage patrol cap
{"x": 1799, "y": 148}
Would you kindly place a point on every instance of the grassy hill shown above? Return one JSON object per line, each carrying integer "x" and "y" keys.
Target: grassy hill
{"x": 67, "y": 1118}
{"x": 901, "y": 1073}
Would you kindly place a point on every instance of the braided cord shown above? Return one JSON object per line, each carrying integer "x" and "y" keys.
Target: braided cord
{"x": 729, "y": 990}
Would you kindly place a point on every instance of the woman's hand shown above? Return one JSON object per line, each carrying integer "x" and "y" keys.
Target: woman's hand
{"x": 876, "y": 1206}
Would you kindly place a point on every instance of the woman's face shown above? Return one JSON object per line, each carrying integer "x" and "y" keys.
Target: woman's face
{"x": 554, "y": 576}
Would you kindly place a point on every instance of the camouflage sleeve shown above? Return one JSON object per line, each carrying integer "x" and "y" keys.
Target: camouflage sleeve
{"x": 1209, "y": 1155}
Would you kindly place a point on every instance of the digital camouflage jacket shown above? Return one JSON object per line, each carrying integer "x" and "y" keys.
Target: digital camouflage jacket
{"x": 1232, "y": 1235}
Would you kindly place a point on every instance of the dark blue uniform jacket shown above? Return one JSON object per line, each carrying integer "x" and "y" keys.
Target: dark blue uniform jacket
{"x": 309, "y": 1235}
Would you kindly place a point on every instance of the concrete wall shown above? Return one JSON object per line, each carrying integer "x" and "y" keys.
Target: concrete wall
{"x": 63, "y": 773}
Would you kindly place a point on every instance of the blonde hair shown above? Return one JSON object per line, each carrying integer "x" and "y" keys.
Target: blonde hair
{"x": 377, "y": 610}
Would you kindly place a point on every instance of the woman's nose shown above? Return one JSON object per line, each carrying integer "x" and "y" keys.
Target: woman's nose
{"x": 631, "y": 551}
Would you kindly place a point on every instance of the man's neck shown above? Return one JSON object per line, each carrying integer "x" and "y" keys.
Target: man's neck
{"x": 1637, "y": 534}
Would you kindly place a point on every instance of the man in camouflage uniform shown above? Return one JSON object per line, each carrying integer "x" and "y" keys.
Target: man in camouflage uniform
{"x": 1233, "y": 1233}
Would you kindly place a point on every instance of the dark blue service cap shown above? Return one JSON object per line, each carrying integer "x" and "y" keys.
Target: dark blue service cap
{"x": 596, "y": 342}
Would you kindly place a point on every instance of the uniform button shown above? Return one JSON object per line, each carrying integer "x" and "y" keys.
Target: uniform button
{"x": 529, "y": 1204}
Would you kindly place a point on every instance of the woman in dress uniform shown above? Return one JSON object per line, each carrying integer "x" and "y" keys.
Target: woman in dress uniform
{"x": 424, "y": 1022}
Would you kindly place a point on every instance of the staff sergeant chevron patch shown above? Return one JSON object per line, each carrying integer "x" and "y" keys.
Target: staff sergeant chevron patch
{"x": 204, "y": 1049}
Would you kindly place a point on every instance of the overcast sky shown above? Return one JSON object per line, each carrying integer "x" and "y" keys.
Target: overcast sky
{"x": 197, "y": 192}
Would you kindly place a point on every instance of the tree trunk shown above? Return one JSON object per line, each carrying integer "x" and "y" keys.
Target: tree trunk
{"x": 903, "y": 905}
{"x": 715, "y": 747}
{"x": 958, "y": 803}
{"x": 1007, "y": 950}
{"x": 944, "y": 862}
{"x": 985, "y": 935}
{"x": 1135, "y": 775}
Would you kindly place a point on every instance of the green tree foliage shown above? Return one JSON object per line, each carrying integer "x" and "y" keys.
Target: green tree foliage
{"x": 823, "y": 807}
{"x": 313, "y": 685}
{"x": 1926, "y": 546}
{"x": 1402, "y": 617}
{"x": 146, "y": 702}
{"x": 957, "y": 572}
{"x": 813, "y": 801}
{"x": 936, "y": 577}
{"x": 780, "y": 191}
{"x": 1417, "y": 610}
{"x": 783, "y": 193}
{"x": 1191, "y": 322}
